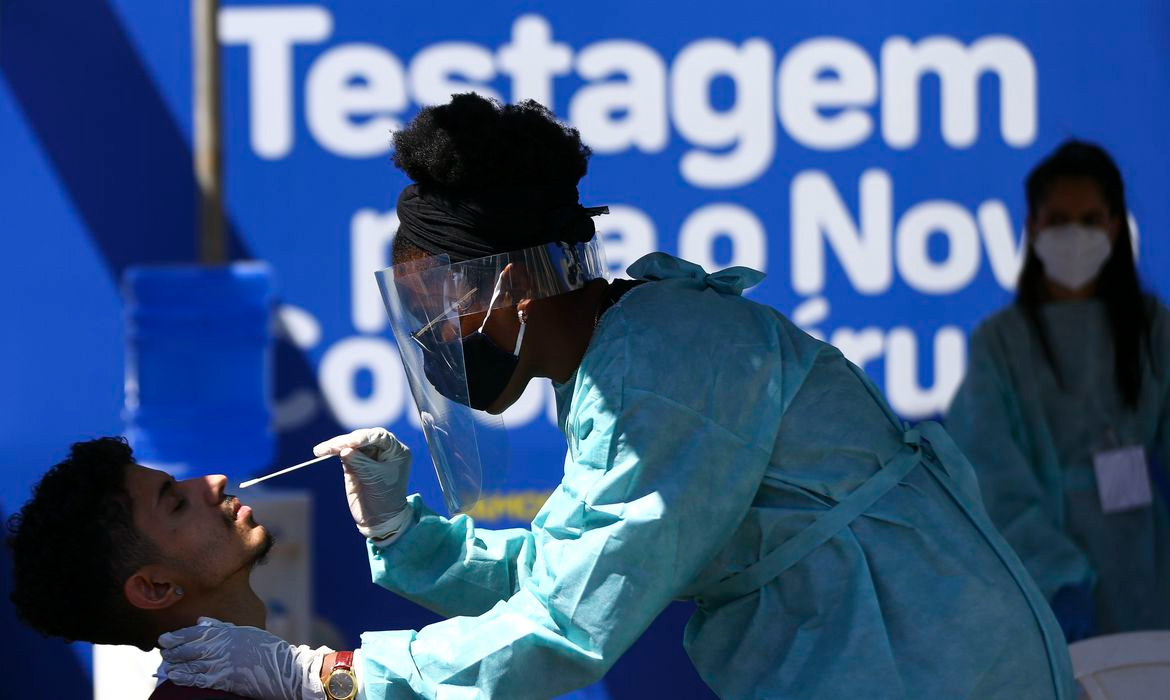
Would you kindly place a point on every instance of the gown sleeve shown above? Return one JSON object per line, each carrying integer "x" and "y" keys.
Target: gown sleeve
{"x": 449, "y": 566}
{"x": 652, "y": 490}
{"x": 986, "y": 420}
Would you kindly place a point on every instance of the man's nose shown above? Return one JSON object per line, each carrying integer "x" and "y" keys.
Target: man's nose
{"x": 216, "y": 485}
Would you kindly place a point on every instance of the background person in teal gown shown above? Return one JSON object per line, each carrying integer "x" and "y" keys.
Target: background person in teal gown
{"x": 1065, "y": 409}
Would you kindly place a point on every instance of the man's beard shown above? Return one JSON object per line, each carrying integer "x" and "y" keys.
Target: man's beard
{"x": 261, "y": 556}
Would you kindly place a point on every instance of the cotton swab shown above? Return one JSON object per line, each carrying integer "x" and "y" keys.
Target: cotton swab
{"x": 293, "y": 468}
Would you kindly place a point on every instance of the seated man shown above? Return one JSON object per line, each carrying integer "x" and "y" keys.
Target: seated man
{"x": 110, "y": 552}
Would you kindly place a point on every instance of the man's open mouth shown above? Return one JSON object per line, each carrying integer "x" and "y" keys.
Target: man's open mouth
{"x": 237, "y": 511}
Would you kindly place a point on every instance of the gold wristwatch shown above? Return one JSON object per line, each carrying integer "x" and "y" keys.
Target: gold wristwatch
{"x": 342, "y": 683}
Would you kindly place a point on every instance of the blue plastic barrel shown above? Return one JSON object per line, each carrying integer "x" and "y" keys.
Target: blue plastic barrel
{"x": 199, "y": 368}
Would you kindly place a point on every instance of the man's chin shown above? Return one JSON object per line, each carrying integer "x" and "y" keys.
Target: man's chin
{"x": 265, "y": 546}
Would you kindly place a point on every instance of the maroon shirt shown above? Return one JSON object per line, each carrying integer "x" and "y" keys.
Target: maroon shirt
{"x": 169, "y": 691}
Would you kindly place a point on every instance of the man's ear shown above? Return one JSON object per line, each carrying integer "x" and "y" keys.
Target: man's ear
{"x": 151, "y": 588}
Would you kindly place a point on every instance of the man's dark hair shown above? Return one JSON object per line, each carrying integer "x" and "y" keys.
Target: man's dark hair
{"x": 74, "y": 545}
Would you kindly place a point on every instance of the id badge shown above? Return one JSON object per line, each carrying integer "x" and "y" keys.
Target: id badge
{"x": 1123, "y": 480}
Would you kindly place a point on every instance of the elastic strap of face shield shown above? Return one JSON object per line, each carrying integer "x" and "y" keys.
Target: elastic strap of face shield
{"x": 496, "y": 292}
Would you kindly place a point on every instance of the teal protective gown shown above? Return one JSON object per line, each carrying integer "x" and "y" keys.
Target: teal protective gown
{"x": 1032, "y": 436}
{"x": 718, "y": 453}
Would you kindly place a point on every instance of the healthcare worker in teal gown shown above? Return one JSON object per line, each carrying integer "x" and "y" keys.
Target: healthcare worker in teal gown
{"x": 715, "y": 453}
{"x": 1065, "y": 410}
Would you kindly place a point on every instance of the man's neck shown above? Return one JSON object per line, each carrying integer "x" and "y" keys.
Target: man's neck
{"x": 239, "y": 607}
{"x": 233, "y": 602}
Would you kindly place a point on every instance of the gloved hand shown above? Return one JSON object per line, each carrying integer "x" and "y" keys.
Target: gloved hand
{"x": 1076, "y": 612}
{"x": 242, "y": 660}
{"x": 376, "y": 468}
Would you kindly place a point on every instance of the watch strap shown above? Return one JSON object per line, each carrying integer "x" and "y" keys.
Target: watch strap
{"x": 343, "y": 661}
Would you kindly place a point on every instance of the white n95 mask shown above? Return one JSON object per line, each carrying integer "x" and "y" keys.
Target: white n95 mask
{"x": 1072, "y": 254}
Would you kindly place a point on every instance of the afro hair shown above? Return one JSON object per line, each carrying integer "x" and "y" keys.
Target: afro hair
{"x": 475, "y": 146}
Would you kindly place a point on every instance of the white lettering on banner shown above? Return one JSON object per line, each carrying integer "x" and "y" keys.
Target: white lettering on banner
{"x": 820, "y": 220}
{"x": 370, "y": 235}
{"x": 819, "y": 216}
{"x": 434, "y": 70}
{"x": 1005, "y": 250}
{"x": 532, "y": 59}
{"x": 270, "y": 34}
{"x": 300, "y": 406}
{"x": 749, "y": 242}
{"x": 355, "y": 80}
{"x": 823, "y": 92}
{"x": 746, "y": 128}
{"x": 958, "y": 69}
{"x": 906, "y": 397}
{"x": 805, "y": 92}
{"x": 916, "y": 227}
{"x": 339, "y": 370}
{"x": 618, "y": 115}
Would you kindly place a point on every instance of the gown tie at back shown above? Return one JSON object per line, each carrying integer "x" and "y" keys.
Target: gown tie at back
{"x": 660, "y": 266}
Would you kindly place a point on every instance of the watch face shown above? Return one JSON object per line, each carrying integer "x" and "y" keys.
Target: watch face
{"x": 341, "y": 685}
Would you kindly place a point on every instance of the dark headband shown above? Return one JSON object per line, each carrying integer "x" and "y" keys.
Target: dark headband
{"x": 463, "y": 229}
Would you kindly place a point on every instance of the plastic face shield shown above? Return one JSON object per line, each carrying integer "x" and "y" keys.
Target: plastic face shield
{"x": 434, "y": 305}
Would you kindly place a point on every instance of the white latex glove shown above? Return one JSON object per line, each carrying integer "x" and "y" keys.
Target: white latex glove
{"x": 245, "y": 661}
{"x": 376, "y": 468}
